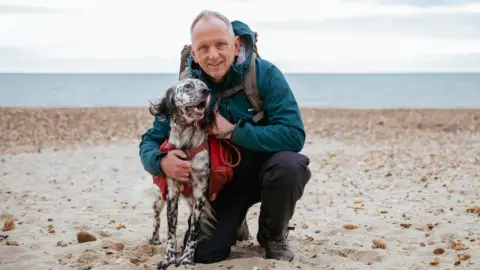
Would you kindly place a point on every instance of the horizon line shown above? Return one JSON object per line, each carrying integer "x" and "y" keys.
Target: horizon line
{"x": 286, "y": 73}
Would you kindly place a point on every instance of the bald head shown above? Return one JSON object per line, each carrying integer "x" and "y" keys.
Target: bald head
{"x": 211, "y": 17}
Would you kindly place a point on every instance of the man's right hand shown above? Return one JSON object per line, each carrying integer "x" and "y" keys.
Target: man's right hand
{"x": 174, "y": 167}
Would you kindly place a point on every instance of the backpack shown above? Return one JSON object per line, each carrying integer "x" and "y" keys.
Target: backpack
{"x": 248, "y": 83}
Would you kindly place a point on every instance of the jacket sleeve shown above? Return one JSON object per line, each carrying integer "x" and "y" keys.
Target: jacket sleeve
{"x": 152, "y": 139}
{"x": 285, "y": 129}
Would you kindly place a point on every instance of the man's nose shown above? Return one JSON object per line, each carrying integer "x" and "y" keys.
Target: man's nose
{"x": 213, "y": 53}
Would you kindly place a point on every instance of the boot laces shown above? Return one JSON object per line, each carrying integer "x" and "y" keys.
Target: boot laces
{"x": 282, "y": 244}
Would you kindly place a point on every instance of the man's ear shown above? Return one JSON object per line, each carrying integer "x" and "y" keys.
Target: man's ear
{"x": 192, "y": 52}
{"x": 237, "y": 45}
{"x": 165, "y": 106}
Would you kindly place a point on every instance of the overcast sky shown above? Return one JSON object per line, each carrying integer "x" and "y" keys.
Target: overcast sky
{"x": 298, "y": 36}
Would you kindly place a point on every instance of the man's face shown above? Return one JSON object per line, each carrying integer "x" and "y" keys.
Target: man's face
{"x": 214, "y": 48}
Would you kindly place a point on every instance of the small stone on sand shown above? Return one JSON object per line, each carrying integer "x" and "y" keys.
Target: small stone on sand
{"x": 379, "y": 243}
{"x": 83, "y": 237}
{"x": 9, "y": 225}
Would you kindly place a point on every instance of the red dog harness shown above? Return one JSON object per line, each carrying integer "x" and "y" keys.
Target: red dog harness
{"x": 221, "y": 169}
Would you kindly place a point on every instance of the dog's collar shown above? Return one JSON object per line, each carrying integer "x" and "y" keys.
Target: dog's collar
{"x": 195, "y": 123}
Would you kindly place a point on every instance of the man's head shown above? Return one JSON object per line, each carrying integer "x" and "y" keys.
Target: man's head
{"x": 214, "y": 44}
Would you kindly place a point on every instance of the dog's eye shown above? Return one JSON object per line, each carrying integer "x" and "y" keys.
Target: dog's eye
{"x": 189, "y": 109}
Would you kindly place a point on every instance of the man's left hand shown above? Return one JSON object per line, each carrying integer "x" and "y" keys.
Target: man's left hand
{"x": 221, "y": 127}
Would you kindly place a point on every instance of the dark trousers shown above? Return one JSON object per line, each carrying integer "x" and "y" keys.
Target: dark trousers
{"x": 277, "y": 181}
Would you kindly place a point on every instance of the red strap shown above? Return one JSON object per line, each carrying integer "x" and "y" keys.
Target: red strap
{"x": 198, "y": 149}
{"x": 168, "y": 146}
{"x": 229, "y": 157}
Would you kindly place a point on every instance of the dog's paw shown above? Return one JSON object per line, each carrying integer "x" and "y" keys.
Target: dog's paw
{"x": 186, "y": 261}
{"x": 165, "y": 263}
{"x": 155, "y": 241}
{"x": 186, "y": 258}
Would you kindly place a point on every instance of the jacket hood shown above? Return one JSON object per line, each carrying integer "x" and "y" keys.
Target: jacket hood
{"x": 236, "y": 71}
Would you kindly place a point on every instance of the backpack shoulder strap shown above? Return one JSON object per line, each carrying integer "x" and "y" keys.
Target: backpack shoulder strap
{"x": 255, "y": 49}
{"x": 251, "y": 90}
{"x": 184, "y": 70}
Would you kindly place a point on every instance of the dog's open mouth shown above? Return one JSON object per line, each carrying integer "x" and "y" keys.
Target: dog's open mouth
{"x": 197, "y": 110}
{"x": 201, "y": 105}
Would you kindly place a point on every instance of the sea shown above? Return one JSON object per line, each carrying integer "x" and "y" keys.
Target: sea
{"x": 356, "y": 91}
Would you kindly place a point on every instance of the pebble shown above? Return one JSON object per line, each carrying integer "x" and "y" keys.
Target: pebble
{"x": 83, "y": 237}
{"x": 9, "y": 225}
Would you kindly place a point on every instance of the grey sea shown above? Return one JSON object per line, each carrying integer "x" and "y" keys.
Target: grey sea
{"x": 362, "y": 91}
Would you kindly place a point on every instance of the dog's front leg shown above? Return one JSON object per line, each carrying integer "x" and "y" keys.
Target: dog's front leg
{"x": 172, "y": 217}
{"x": 199, "y": 201}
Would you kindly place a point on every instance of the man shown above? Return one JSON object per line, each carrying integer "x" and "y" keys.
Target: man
{"x": 271, "y": 170}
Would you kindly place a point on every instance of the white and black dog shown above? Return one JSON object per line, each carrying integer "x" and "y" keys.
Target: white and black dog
{"x": 187, "y": 106}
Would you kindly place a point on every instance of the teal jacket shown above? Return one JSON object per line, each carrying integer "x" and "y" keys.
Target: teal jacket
{"x": 281, "y": 129}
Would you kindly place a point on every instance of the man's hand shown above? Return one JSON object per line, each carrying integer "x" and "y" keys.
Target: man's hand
{"x": 174, "y": 167}
{"x": 221, "y": 127}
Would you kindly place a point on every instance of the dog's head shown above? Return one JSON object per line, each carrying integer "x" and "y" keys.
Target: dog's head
{"x": 185, "y": 102}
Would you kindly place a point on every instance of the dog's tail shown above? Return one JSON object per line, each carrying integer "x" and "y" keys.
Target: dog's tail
{"x": 207, "y": 220}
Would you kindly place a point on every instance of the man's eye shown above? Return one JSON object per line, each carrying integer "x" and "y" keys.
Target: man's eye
{"x": 189, "y": 108}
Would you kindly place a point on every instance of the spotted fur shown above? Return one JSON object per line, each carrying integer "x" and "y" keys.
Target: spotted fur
{"x": 184, "y": 104}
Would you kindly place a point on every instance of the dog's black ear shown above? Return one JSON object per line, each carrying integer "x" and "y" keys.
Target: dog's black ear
{"x": 209, "y": 118}
{"x": 165, "y": 106}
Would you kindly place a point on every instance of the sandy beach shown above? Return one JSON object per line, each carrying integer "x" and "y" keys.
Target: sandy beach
{"x": 391, "y": 189}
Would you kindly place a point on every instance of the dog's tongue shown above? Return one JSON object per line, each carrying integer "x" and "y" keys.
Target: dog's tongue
{"x": 198, "y": 111}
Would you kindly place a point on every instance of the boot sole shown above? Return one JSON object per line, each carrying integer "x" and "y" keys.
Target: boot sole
{"x": 271, "y": 257}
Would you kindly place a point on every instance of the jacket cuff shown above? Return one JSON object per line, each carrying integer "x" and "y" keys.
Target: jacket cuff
{"x": 155, "y": 164}
{"x": 239, "y": 133}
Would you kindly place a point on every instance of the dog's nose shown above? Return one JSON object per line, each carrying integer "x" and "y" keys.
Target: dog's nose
{"x": 205, "y": 91}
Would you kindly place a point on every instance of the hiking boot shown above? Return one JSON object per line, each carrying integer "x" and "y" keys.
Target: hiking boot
{"x": 275, "y": 244}
{"x": 276, "y": 247}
